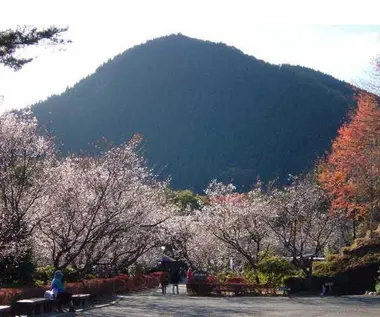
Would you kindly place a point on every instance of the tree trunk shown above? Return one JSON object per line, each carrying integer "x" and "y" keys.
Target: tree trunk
{"x": 257, "y": 277}
{"x": 254, "y": 268}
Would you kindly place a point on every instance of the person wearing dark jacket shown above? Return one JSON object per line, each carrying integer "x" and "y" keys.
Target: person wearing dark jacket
{"x": 175, "y": 278}
{"x": 164, "y": 281}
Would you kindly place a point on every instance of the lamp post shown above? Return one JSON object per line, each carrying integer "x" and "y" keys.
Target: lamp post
{"x": 163, "y": 260}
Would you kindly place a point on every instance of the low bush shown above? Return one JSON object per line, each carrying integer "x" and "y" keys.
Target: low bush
{"x": 8, "y": 296}
{"x": 331, "y": 257}
{"x": 211, "y": 279}
{"x": 351, "y": 274}
{"x": 236, "y": 280}
{"x": 96, "y": 287}
{"x": 296, "y": 283}
{"x": 250, "y": 275}
{"x": 38, "y": 283}
{"x": 89, "y": 276}
{"x": 46, "y": 273}
{"x": 325, "y": 268}
{"x": 274, "y": 269}
{"x": 200, "y": 288}
{"x": 223, "y": 276}
{"x": 17, "y": 271}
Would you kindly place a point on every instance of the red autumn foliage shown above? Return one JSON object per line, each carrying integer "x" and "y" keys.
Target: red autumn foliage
{"x": 351, "y": 172}
{"x": 95, "y": 287}
{"x": 236, "y": 280}
{"x": 211, "y": 279}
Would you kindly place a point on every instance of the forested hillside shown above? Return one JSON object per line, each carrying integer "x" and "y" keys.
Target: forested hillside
{"x": 205, "y": 110}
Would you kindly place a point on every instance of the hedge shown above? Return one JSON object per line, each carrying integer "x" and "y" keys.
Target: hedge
{"x": 96, "y": 287}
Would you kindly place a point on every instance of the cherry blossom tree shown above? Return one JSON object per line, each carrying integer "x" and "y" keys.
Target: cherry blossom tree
{"x": 207, "y": 252}
{"x": 238, "y": 220}
{"x": 151, "y": 213}
{"x": 103, "y": 210}
{"x": 301, "y": 221}
{"x": 25, "y": 161}
{"x": 178, "y": 233}
{"x": 191, "y": 242}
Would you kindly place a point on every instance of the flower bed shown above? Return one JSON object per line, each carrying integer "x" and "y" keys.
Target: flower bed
{"x": 96, "y": 287}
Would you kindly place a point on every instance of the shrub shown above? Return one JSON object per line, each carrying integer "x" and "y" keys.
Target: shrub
{"x": 325, "y": 268}
{"x": 296, "y": 283}
{"x": 70, "y": 274}
{"x": 211, "y": 279}
{"x": 350, "y": 276}
{"x": 345, "y": 250}
{"x": 38, "y": 283}
{"x": 90, "y": 276}
{"x": 317, "y": 281}
{"x": 95, "y": 287}
{"x": 46, "y": 274}
{"x": 223, "y": 276}
{"x": 249, "y": 274}
{"x": 18, "y": 271}
{"x": 236, "y": 280}
{"x": 200, "y": 288}
{"x": 331, "y": 257}
{"x": 274, "y": 269}
{"x": 137, "y": 269}
{"x": 7, "y": 295}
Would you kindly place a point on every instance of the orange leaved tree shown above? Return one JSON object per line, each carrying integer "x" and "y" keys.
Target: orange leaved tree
{"x": 351, "y": 173}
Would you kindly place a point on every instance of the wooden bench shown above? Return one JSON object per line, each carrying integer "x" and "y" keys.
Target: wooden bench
{"x": 5, "y": 311}
{"x": 32, "y": 306}
{"x": 82, "y": 300}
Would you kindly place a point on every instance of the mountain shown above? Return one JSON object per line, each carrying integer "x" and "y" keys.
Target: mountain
{"x": 206, "y": 110}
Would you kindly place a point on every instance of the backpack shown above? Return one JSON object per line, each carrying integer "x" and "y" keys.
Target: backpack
{"x": 51, "y": 294}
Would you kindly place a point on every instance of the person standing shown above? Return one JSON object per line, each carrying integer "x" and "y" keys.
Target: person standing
{"x": 164, "y": 281}
{"x": 174, "y": 280}
{"x": 189, "y": 275}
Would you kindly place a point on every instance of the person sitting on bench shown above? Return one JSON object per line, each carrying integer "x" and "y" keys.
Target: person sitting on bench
{"x": 58, "y": 288}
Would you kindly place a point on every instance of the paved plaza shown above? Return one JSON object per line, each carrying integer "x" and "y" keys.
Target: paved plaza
{"x": 153, "y": 303}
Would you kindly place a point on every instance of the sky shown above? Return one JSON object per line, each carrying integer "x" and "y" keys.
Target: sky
{"x": 337, "y": 37}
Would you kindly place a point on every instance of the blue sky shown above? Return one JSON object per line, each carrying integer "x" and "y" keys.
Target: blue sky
{"x": 270, "y": 30}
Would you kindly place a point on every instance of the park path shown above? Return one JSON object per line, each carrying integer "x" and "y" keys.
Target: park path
{"x": 153, "y": 303}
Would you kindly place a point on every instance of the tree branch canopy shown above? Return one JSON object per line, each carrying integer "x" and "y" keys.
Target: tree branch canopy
{"x": 11, "y": 41}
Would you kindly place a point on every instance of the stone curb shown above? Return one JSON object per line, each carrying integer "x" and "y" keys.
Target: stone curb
{"x": 86, "y": 309}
